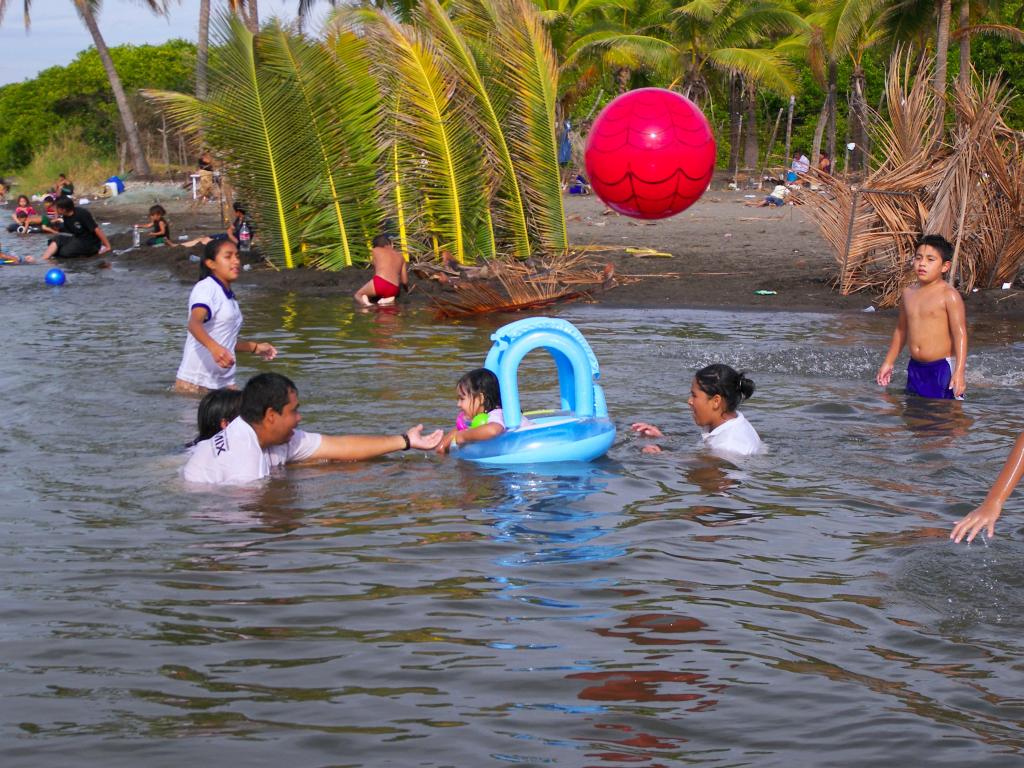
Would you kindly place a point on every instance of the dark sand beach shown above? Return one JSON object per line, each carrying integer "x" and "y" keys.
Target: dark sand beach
{"x": 722, "y": 252}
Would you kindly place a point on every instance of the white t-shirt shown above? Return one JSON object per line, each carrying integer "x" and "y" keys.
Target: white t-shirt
{"x": 801, "y": 164}
{"x": 233, "y": 456}
{"x": 780, "y": 191}
{"x": 735, "y": 436}
{"x": 223, "y": 322}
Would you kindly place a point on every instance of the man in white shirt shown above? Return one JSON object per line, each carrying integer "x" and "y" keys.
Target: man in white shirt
{"x": 264, "y": 436}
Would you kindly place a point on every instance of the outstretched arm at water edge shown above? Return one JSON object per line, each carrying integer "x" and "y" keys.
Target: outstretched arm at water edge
{"x": 360, "y": 447}
{"x": 986, "y": 514}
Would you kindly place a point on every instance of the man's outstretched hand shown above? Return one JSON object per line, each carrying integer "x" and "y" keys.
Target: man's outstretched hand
{"x": 422, "y": 442}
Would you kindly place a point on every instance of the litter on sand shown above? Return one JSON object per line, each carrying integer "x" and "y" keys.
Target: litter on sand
{"x": 645, "y": 252}
{"x": 764, "y": 292}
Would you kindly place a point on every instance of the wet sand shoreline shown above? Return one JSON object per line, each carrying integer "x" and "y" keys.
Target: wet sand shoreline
{"x": 722, "y": 252}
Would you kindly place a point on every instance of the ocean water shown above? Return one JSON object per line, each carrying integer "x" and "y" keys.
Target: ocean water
{"x": 804, "y": 607}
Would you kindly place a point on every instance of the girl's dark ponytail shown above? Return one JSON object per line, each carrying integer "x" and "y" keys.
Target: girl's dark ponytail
{"x": 746, "y": 386}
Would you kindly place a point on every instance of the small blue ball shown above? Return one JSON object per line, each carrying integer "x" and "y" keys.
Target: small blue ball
{"x": 55, "y": 277}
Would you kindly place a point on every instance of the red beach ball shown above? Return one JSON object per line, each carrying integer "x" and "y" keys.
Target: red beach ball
{"x": 650, "y": 154}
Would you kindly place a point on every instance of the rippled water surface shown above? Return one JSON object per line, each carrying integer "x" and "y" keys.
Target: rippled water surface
{"x": 804, "y": 608}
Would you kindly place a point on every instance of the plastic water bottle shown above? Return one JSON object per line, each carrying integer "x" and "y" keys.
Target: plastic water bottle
{"x": 136, "y": 237}
{"x": 244, "y": 238}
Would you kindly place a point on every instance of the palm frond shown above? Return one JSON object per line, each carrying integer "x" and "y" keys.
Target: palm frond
{"x": 1005, "y": 31}
{"x": 510, "y": 200}
{"x": 255, "y": 125}
{"x": 700, "y": 10}
{"x": 760, "y": 65}
{"x": 341, "y": 101}
{"x": 444, "y": 158}
{"x": 524, "y": 71}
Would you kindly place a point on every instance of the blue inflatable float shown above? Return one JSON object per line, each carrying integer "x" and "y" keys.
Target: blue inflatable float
{"x": 580, "y": 431}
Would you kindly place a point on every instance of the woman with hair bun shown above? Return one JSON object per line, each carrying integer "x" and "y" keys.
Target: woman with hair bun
{"x": 715, "y": 393}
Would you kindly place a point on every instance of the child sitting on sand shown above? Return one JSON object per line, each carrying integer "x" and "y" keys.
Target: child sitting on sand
{"x": 715, "y": 393}
{"x": 776, "y": 198}
{"x": 932, "y": 323}
{"x": 234, "y": 229}
{"x": 390, "y": 274}
{"x": 22, "y": 211}
{"x": 161, "y": 229}
{"x": 480, "y": 414}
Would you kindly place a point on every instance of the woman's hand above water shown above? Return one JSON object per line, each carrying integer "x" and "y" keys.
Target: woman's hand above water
{"x": 643, "y": 429}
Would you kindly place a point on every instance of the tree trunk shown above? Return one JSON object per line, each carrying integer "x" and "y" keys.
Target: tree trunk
{"x": 751, "y": 145}
{"x": 819, "y": 132}
{"x": 252, "y": 20}
{"x": 833, "y": 98}
{"x": 945, "y": 9}
{"x": 735, "y": 115}
{"x": 965, "y": 43}
{"x": 202, "y": 48}
{"x": 623, "y": 77}
{"x": 131, "y": 131}
{"x": 859, "y": 121}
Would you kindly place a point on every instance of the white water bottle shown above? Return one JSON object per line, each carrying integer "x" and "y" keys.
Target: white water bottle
{"x": 136, "y": 237}
{"x": 244, "y": 238}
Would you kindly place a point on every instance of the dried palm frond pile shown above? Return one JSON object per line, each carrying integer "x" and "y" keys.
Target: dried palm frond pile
{"x": 510, "y": 285}
{"x": 965, "y": 182}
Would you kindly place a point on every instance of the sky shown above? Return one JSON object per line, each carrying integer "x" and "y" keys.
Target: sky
{"x": 57, "y": 33}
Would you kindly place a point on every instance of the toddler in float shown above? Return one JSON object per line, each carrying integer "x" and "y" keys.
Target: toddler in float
{"x": 480, "y": 415}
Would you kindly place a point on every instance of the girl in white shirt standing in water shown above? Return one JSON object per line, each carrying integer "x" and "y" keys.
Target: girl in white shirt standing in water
{"x": 715, "y": 393}
{"x": 214, "y": 321}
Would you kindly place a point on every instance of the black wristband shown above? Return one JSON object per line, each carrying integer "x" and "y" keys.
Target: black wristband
{"x": 408, "y": 443}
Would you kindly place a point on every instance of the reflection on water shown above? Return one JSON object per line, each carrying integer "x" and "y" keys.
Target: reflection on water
{"x": 801, "y": 608}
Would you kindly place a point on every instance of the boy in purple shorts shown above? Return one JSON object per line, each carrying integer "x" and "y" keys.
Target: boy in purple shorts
{"x": 933, "y": 325}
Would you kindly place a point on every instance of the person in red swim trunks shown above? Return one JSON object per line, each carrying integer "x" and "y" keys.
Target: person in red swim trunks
{"x": 390, "y": 274}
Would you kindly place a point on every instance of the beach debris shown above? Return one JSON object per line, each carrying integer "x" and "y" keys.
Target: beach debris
{"x": 766, "y": 292}
{"x": 869, "y": 308}
{"x": 1007, "y": 286}
{"x": 727, "y": 234}
{"x": 646, "y": 252}
{"x": 963, "y": 180}
{"x": 516, "y": 284}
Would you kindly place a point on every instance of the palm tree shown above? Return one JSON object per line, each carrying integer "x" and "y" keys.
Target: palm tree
{"x": 202, "y": 48}
{"x": 734, "y": 39}
{"x": 965, "y": 31}
{"x": 944, "y": 9}
{"x": 87, "y": 9}
{"x": 838, "y": 29}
